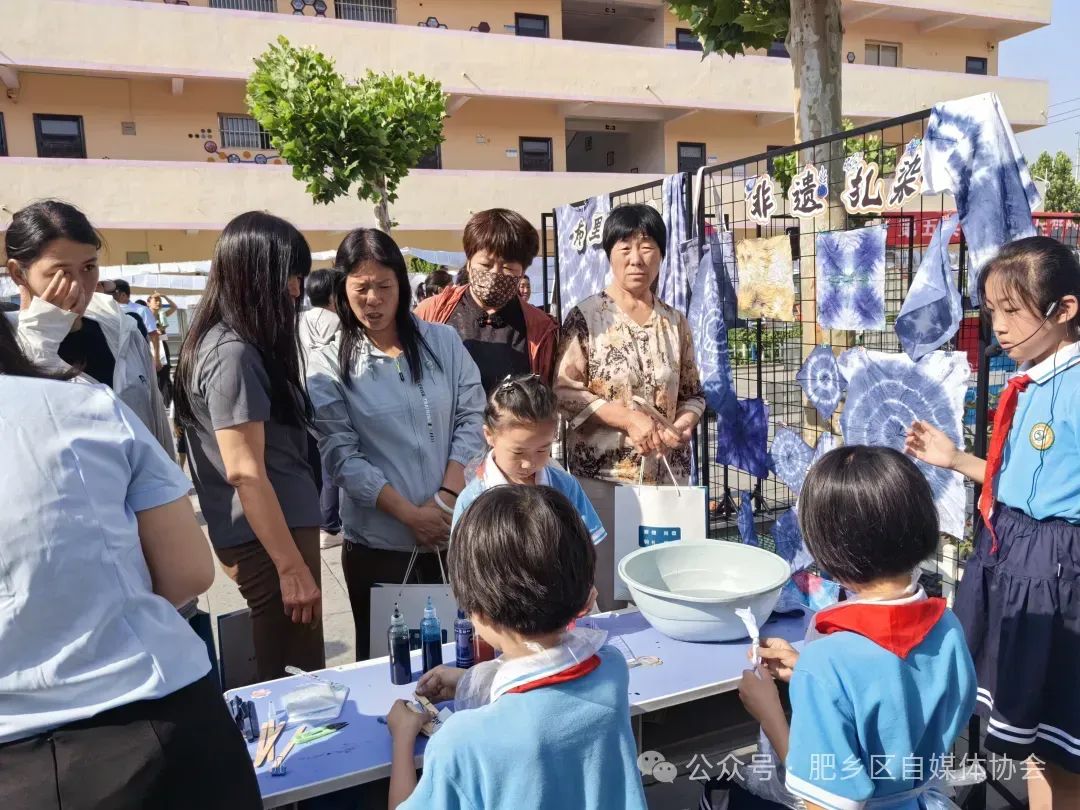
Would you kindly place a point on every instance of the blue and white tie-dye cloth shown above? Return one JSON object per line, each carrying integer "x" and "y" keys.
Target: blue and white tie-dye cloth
{"x": 851, "y": 278}
{"x": 582, "y": 272}
{"x": 790, "y": 458}
{"x": 820, "y": 379}
{"x": 709, "y": 327}
{"x": 887, "y": 392}
{"x": 742, "y": 437}
{"x": 674, "y": 271}
{"x": 969, "y": 150}
{"x": 932, "y": 309}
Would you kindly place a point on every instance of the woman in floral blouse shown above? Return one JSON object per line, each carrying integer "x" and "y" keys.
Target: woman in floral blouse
{"x": 617, "y": 344}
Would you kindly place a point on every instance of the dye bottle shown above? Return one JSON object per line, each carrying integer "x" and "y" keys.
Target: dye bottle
{"x": 463, "y": 641}
{"x": 430, "y": 637}
{"x": 398, "y": 643}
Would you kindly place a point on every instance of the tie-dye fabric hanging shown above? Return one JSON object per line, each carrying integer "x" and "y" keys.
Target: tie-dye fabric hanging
{"x": 825, "y": 443}
{"x": 742, "y": 441}
{"x": 583, "y": 265}
{"x": 789, "y": 541}
{"x": 766, "y": 288}
{"x": 674, "y": 283}
{"x": 709, "y": 329}
{"x": 969, "y": 150}
{"x": 887, "y": 392}
{"x": 745, "y": 520}
{"x": 851, "y": 278}
{"x": 932, "y": 309}
{"x": 820, "y": 379}
{"x": 791, "y": 458}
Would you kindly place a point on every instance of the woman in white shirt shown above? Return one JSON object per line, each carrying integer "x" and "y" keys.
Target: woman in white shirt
{"x": 105, "y": 698}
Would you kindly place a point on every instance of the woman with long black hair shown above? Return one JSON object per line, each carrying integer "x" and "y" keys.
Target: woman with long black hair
{"x": 398, "y": 406}
{"x": 240, "y": 395}
{"x": 107, "y": 699}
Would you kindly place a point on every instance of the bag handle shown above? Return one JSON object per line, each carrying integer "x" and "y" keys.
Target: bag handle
{"x": 412, "y": 564}
{"x": 664, "y": 458}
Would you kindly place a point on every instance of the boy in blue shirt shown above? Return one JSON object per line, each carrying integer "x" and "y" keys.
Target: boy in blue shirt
{"x": 880, "y": 694}
{"x": 520, "y": 422}
{"x": 551, "y": 727}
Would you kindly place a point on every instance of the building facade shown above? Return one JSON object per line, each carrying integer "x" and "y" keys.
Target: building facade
{"x": 134, "y": 109}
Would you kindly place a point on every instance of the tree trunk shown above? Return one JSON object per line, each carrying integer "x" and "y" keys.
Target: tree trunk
{"x": 815, "y": 40}
{"x": 382, "y": 210}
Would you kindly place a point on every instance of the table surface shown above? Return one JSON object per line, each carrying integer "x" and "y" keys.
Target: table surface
{"x": 360, "y": 752}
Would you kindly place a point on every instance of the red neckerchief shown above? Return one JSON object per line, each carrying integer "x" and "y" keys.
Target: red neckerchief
{"x": 897, "y": 628}
{"x": 571, "y": 674}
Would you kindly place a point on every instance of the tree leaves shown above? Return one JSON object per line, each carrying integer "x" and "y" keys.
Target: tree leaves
{"x": 337, "y": 134}
{"x": 734, "y": 26}
{"x": 1062, "y": 190}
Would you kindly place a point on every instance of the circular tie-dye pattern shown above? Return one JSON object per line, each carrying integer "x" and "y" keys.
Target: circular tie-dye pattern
{"x": 791, "y": 458}
{"x": 820, "y": 379}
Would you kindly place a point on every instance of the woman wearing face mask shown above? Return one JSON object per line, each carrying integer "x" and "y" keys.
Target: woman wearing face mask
{"x": 504, "y": 334}
{"x": 399, "y": 407}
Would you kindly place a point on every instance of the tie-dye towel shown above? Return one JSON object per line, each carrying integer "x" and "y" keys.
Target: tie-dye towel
{"x": 851, "y": 278}
{"x": 766, "y": 288}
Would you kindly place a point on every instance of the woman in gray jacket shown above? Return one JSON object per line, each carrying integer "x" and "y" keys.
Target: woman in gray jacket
{"x": 398, "y": 407}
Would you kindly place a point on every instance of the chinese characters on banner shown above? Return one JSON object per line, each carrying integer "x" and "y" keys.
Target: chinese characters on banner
{"x": 809, "y": 190}
{"x": 588, "y": 231}
{"x": 760, "y": 202}
{"x": 865, "y": 192}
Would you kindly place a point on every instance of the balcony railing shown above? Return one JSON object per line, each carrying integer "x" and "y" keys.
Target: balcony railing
{"x": 245, "y": 5}
{"x": 380, "y": 11}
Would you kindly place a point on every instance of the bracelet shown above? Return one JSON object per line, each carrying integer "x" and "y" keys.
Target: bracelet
{"x": 449, "y": 491}
{"x": 439, "y": 503}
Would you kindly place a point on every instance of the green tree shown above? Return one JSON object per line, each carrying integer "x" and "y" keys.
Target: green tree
{"x": 814, "y": 38}
{"x": 336, "y": 134}
{"x": 1062, "y": 190}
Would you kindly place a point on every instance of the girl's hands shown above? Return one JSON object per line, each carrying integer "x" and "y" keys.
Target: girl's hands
{"x": 439, "y": 683}
{"x": 778, "y": 657}
{"x": 403, "y": 722}
{"x": 758, "y": 693}
{"x": 927, "y": 443}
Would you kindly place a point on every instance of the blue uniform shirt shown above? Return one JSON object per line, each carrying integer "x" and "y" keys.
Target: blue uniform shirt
{"x": 554, "y": 476}
{"x": 563, "y": 746}
{"x": 1040, "y": 472}
{"x": 868, "y": 724}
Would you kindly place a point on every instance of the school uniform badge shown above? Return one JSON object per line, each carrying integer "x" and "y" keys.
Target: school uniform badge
{"x": 1041, "y": 436}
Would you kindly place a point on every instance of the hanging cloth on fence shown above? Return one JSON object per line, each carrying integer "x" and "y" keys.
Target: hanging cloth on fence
{"x": 766, "y": 286}
{"x": 887, "y": 392}
{"x": 932, "y": 309}
{"x": 583, "y": 265}
{"x": 674, "y": 270}
{"x": 742, "y": 437}
{"x": 712, "y": 298}
{"x": 851, "y": 278}
{"x": 969, "y": 149}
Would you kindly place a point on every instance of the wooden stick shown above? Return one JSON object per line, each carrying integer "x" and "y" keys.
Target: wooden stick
{"x": 260, "y": 751}
{"x": 289, "y": 747}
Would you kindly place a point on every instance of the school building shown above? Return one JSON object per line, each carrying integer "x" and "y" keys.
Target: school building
{"x": 134, "y": 109}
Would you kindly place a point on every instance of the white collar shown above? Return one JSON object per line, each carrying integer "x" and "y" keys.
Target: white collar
{"x": 1052, "y": 365}
{"x": 492, "y": 476}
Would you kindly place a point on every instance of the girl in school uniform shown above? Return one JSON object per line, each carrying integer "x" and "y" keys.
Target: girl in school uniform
{"x": 520, "y": 421}
{"x": 1019, "y": 600}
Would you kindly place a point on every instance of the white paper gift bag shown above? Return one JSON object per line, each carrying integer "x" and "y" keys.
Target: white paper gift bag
{"x": 647, "y": 515}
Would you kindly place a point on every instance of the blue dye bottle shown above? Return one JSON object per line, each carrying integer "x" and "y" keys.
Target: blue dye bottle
{"x": 398, "y": 643}
{"x": 463, "y": 641}
{"x": 430, "y": 637}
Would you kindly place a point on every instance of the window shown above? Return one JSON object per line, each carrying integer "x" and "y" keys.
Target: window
{"x": 59, "y": 136}
{"x": 770, "y": 162}
{"x": 686, "y": 41}
{"x": 3, "y": 137}
{"x": 531, "y": 25}
{"x": 432, "y": 160}
{"x": 535, "y": 155}
{"x": 778, "y": 48}
{"x": 886, "y": 54}
{"x": 691, "y": 156}
{"x": 380, "y": 11}
{"x": 245, "y": 5}
{"x": 976, "y": 64}
{"x": 137, "y": 257}
{"x": 242, "y": 132}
